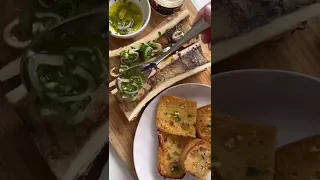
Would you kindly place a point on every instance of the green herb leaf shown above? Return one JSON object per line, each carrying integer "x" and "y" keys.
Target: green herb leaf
{"x": 190, "y": 115}
{"x": 252, "y": 171}
{"x": 177, "y": 118}
{"x": 175, "y": 169}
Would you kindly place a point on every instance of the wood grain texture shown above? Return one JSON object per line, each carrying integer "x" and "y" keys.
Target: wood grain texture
{"x": 122, "y": 131}
{"x": 19, "y": 156}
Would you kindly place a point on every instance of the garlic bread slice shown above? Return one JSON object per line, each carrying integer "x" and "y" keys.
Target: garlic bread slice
{"x": 170, "y": 149}
{"x": 196, "y": 158}
{"x": 203, "y": 123}
{"x": 177, "y": 116}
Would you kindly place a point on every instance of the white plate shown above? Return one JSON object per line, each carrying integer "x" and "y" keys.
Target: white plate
{"x": 145, "y": 148}
{"x": 290, "y": 101}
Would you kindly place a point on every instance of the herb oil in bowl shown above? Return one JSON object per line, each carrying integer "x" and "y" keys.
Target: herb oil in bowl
{"x": 127, "y": 18}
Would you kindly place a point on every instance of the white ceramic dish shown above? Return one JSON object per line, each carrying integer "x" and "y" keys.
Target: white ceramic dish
{"x": 145, "y": 8}
{"x": 290, "y": 101}
{"x": 145, "y": 147}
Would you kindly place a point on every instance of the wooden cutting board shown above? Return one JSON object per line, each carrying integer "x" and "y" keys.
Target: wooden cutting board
{"x": 122, "y": 131}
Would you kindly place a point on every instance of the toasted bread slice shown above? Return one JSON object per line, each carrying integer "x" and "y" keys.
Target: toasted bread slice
{"x": 242, "y": 150}
{"x": 299, "y": 160}
{"x": 196, "y": 158}
{"x": 170, "y": 149}
{"x": 203, "y": 123}
{"x": 177, "y": 116}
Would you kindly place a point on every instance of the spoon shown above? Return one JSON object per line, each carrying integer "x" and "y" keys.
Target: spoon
{"x": 146, "y": 68}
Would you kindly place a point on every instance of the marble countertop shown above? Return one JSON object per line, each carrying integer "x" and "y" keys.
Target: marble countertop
{"x": 116, "y": 167}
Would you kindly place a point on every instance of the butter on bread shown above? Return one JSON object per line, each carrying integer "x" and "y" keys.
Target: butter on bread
{"x": 203, "y": 123}
{"x": 242, "y": 150}
{"x": 196, "y": 158}
{"x": 169, "y": 152}
{"x": 299, "y": 160}
{"x": 177, "y": 116}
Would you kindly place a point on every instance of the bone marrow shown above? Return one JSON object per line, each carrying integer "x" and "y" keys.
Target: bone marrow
{"x": 190, "y": 62}
{"x": 131, "y": 55}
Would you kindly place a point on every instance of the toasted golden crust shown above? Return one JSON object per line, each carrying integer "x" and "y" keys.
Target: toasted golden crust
{"x": 203, "y": 123}
{"x": 299, "y": 160}
{"x": 170, "y": 149}
{"x": 242, "y": 150}
{"x": 196, "y": 158}
{"x": 177, "y": 116}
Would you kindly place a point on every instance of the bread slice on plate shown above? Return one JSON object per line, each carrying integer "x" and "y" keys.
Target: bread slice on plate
{"x": 196, "y": 158}
{"x": 299, "y": 160}
{"x": 177, "y": 116}
{"x": 170, "y": 149}
{"x": 203, "y": 123}
{"x": 242, "y": 150}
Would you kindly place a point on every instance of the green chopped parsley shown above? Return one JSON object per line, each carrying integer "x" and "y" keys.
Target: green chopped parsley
{"x": 177, "y": 118}
{"x": 175, "y": 169}
{"x": 190, "y": 115}
{"x": 252, "y": 171}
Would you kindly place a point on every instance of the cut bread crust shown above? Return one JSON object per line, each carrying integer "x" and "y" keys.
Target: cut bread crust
{"x": 169, "y": 151}
{"x": 177, "y": 116}
{"x": 203, "y": 123}
{"x": 242, "y": 150}
{"x": 188, "y": 158}
{"x": 299, "y": 160}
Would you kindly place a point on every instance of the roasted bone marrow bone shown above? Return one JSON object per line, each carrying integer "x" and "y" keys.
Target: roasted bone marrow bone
{"x": 177, "y": 67}
{"x": 160, "y": 41}
{"x": 176, "y": 21}
{"x": 65, "y": 82}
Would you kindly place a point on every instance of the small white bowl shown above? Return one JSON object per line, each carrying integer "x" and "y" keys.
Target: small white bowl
{"x": 145, "y": 8}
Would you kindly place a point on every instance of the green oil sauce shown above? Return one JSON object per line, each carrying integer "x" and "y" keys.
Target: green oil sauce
{"x": 121, "y": 14}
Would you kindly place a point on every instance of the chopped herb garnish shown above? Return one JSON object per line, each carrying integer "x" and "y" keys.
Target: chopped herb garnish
{"x": 175, "y": 169}
{"x": 165, "y": 113}
{"x": 177, "y": 118}
{"x": 202, "y": 155}
{"x": 252, "y": 171}
{"x": 169, "y": 157}
{"x": 159, "y": 33}
{"x": 190, "y": 115}
{"x": 208, "y": 125}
